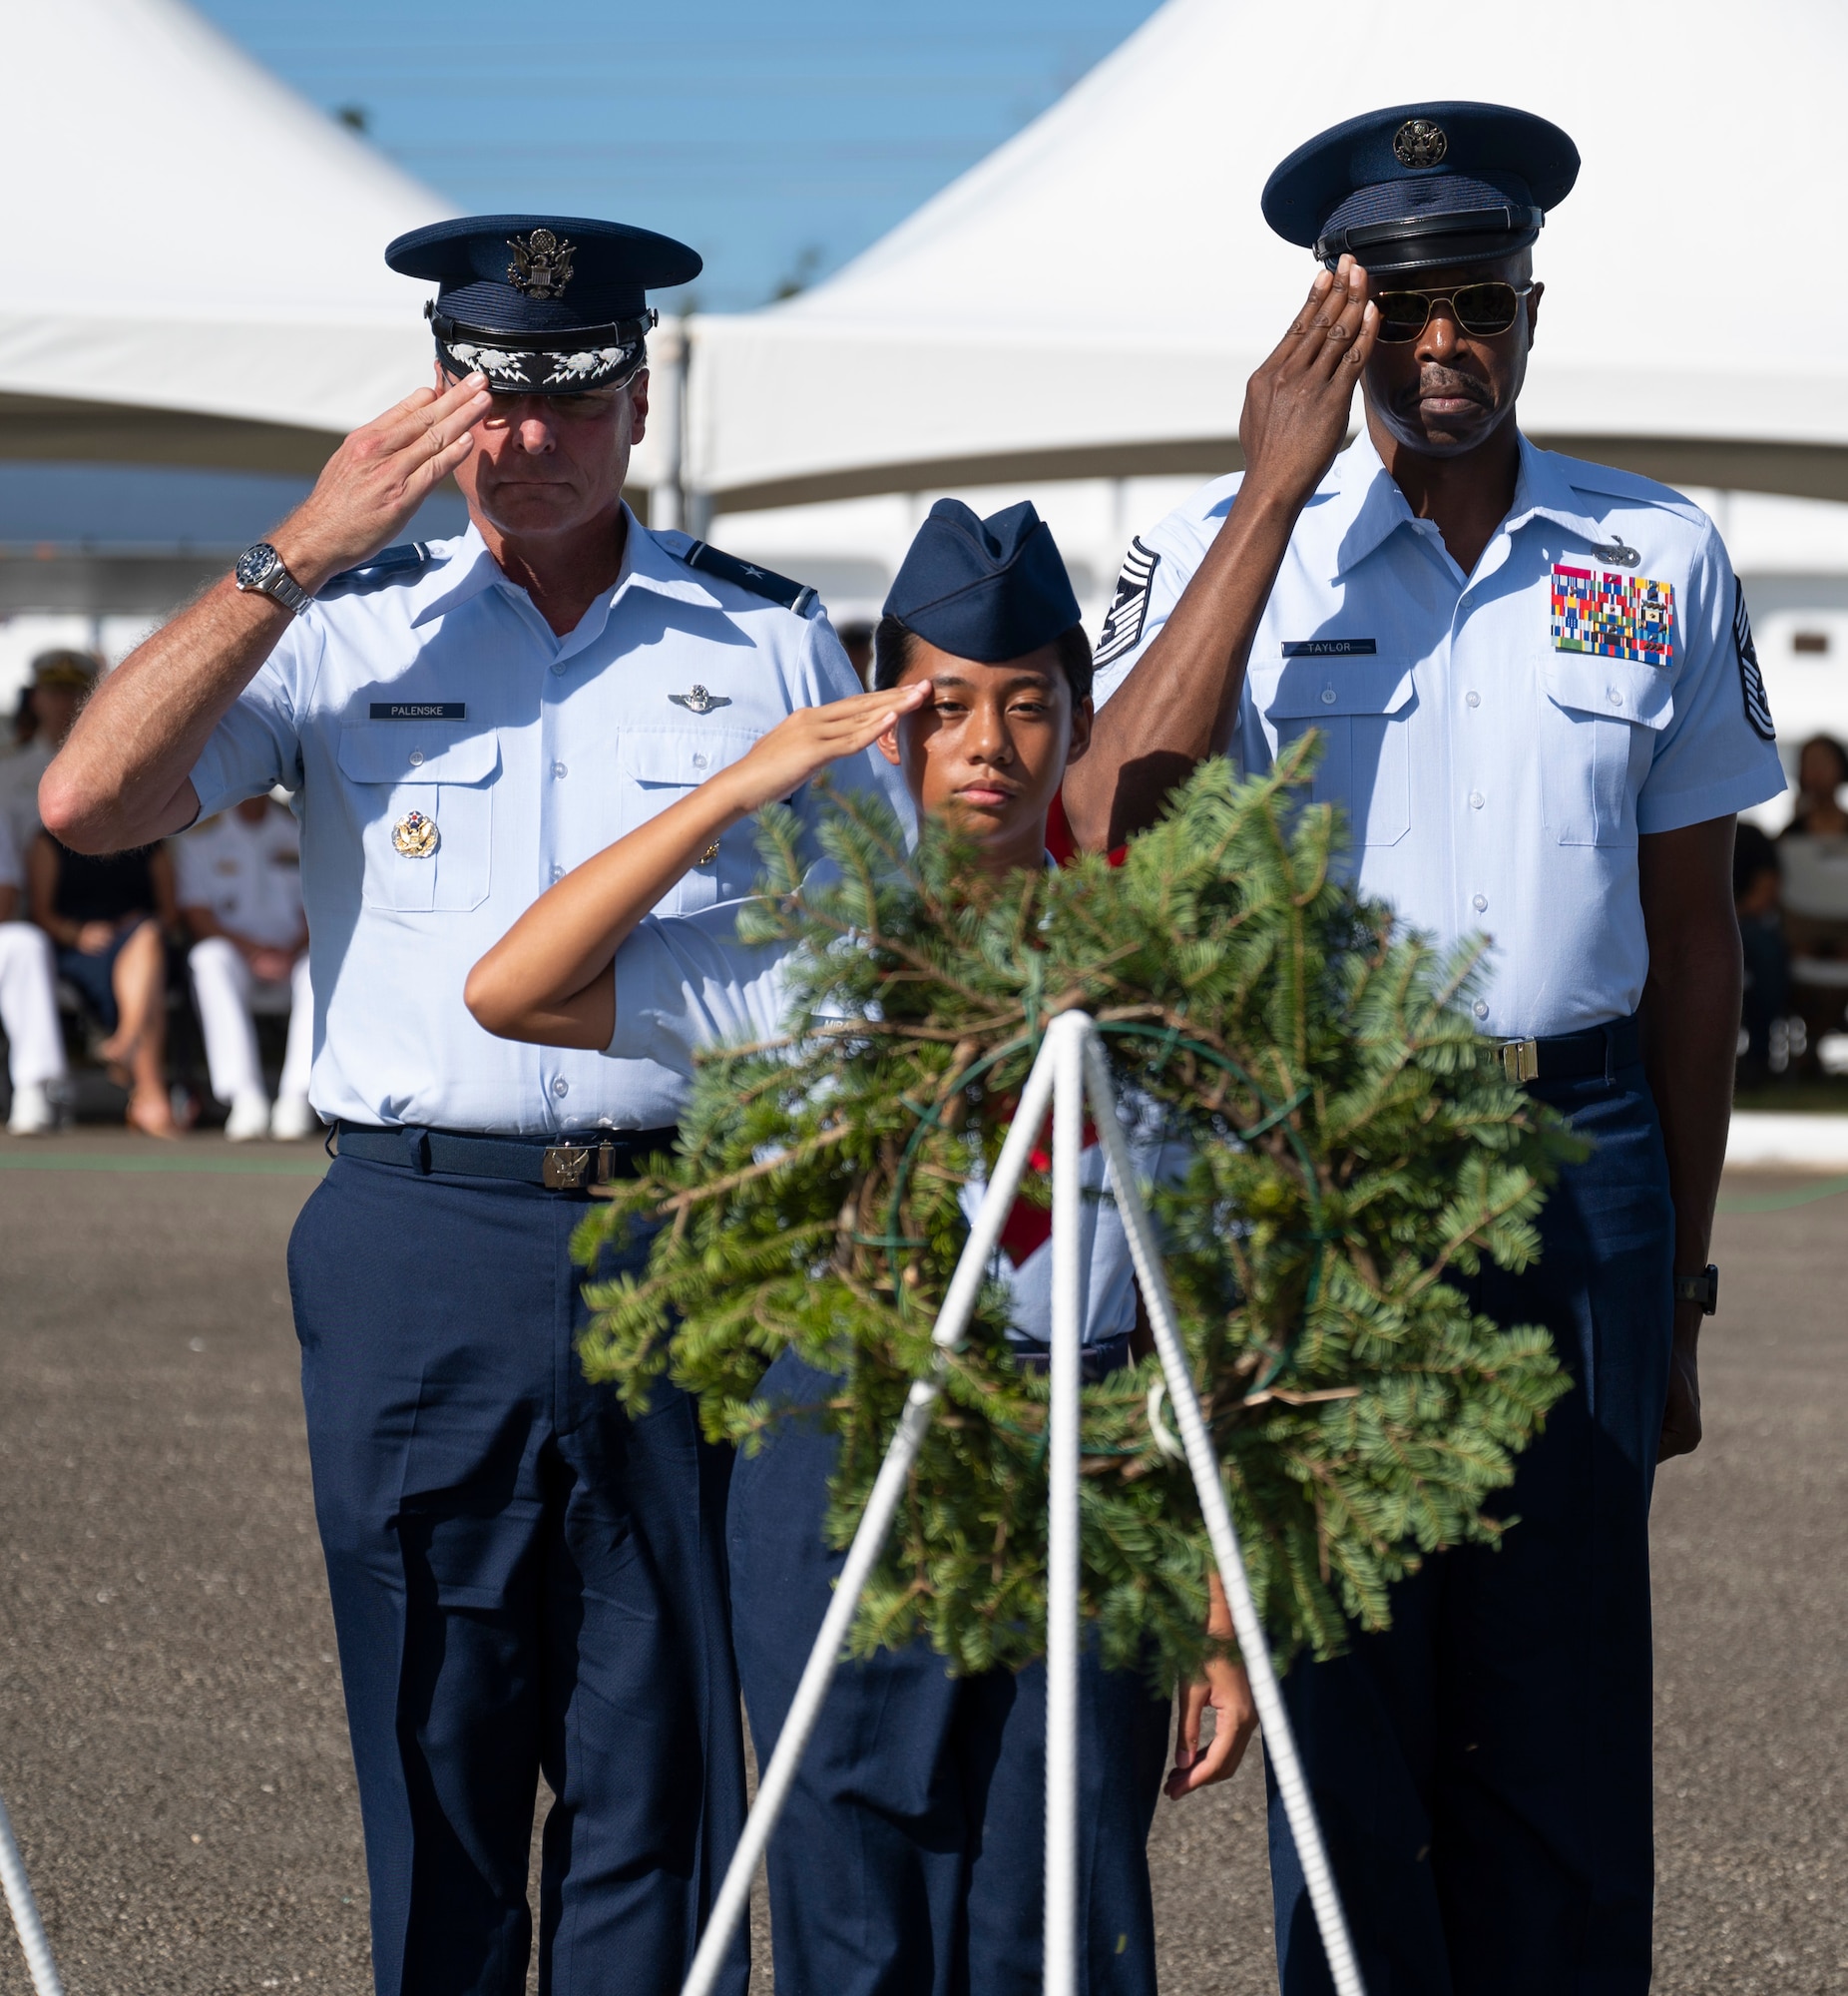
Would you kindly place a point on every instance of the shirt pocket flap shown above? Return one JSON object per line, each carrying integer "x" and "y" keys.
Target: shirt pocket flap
{"x": 684, "y": 760}
{"x": 1615, "y": 689}
{"x": 394, "y": 754}
{"x": 1321, "y": 688}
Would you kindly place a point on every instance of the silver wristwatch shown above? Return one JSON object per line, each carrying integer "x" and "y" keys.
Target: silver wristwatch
{"x": 261, "y": 572}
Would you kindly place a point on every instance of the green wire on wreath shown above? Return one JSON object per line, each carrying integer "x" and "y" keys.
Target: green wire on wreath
{"x": 1353, "y": 1154}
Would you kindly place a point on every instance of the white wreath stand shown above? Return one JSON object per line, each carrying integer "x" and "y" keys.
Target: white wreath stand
{"x": 25, "y": 1912}
{"x": 1071, "y": 1064}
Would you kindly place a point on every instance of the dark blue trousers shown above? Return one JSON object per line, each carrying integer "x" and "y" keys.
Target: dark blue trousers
{"x": 523, "y": 1579}
{"x": 1482, "y": 1770}
{"x": 910, "y": 1859}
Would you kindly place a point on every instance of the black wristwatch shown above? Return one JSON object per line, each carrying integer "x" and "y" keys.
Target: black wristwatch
{"x": 261, "y": 572}
{"x": 1702, "y": 1288}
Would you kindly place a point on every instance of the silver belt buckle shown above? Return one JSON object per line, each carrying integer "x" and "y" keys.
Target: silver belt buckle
{"x": 571, "y": 1167}
{"x": 1521, "y": 1060}
{"x": 564, "y": 1167}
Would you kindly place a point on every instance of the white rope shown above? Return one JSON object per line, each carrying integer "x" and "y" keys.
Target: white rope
{"x": 1280, "y": 1741}
{"x": 1065, "y": 1048}
{"x": 805, "y": 1708}
{"x": 26, "y": 1913}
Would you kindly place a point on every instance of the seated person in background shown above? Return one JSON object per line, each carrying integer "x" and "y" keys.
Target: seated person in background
{"x": 105, "y": 916}
{"x": 1812, "y": 855}
{"x": 28, "y": 1004}
{"x": 1822, "y": 770}
{"x": 856, "y": 640}
{"x": 911, "y": 1851}
{"x": 61, "y": 682}
{"x": 240, "y": 891}
{"x": 1757, "y": 897}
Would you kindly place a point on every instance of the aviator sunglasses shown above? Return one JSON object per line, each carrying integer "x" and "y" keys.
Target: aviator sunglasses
{"x": 1479, "y": 308}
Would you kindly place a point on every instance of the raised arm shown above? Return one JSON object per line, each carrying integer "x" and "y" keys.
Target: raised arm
{"x": 1179, "y": 704}
{"x": 124, "y": 778}
{"x": 548, "y": 978}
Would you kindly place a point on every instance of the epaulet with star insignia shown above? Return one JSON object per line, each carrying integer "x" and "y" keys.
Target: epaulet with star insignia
{"x": 797, "y": 596}
{"x": 404, "y": 562}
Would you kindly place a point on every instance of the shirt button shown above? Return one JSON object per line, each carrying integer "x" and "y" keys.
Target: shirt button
{"x": 699, "y": 761}
{"x": 558, "y": 872}
{"x": 1479, "y": 902}
{"x": 559, "y": 770}
{"x": 561, "y": 1088}
{"x": 1481, "y": 1008}
{"x": 1472, "y": 699}
{"x": 558, "y": 667}
{"x": 1616, "y": 698}
{"x": 1328, "y": 696}
{"x": 416, "y": 757}
{"x": 1475, "y": 801}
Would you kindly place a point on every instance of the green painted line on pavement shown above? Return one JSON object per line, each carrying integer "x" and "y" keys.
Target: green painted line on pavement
{"x": 1782, "y": 1201}
{"x": 105, "y": 1161}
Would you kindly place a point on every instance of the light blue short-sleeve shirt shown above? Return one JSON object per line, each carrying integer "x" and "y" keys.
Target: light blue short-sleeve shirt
{"x": 451, "y": 758}
{"x": 1495, "y": 767}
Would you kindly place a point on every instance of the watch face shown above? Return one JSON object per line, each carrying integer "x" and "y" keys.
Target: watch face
{"x": 254, "y": 564}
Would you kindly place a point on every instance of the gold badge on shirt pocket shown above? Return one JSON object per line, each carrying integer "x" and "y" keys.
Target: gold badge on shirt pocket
{"x": 415, "y": 835}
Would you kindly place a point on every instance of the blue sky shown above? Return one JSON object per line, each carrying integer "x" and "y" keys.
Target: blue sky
{"x": 778, "y": 140}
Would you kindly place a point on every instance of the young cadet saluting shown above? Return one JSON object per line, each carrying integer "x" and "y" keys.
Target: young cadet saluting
{"x": 910, "y": 1857}
{"x": 1540, "y": 709}
{"x": 522, "y": 1577}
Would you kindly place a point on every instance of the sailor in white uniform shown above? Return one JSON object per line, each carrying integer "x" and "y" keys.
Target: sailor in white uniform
{"x": 28, "y": 1004}
{"x": 238, "y": 883}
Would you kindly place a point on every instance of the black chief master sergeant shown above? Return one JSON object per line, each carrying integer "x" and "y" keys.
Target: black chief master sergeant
{"x": 1540, "y": 710}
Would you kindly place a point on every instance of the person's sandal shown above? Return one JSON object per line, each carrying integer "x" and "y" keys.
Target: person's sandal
{"x": 155, "y": 1121}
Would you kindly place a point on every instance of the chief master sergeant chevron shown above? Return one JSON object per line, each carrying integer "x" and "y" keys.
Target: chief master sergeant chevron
{"x": 1540, "y": 709}
{"x": 522, "y": 1577}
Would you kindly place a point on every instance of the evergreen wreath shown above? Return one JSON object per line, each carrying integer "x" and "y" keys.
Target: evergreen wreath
{"x": 1353, "y": 1143}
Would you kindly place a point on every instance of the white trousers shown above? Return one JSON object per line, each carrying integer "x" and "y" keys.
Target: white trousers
{"x": 29, "y": 1005}
{"x": 222, "y": 988}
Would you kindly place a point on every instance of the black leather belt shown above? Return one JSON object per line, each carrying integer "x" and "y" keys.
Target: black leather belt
{"x": 1598, "y": 1050}
{"x": 1095, "y": 1362}
{"x": 599, "y": 1160}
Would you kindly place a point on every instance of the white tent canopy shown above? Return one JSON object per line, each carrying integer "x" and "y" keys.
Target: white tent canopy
{"x": 194, "y": 273}
{"x": 1090, "y": 299}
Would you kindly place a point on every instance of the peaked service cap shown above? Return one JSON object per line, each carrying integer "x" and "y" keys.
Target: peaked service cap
{"x": 988, "y": 590}
{"x": 1421, "y": 185}
{"x": 543, "y": 304}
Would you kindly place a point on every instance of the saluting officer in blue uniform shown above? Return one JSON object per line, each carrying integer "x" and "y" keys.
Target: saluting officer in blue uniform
{"x": 1540, "y": 709}
{"x": 523, "y": 1579}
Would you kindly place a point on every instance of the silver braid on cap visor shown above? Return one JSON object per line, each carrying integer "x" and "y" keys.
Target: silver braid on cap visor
{"x": 526, "y": 363}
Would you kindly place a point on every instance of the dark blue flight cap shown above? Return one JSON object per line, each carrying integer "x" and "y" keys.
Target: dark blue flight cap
{"x": 543, "y": 304}
{"x": 988, "y": 590}
{"x": 1423, "y": 185}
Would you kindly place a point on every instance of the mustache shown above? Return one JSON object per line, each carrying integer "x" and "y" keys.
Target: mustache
{"x": 1436, "y": 380}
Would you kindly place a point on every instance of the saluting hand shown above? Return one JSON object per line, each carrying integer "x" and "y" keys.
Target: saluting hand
{"x": 369, "y": 488}
{"x": 808, "y": 741}
{"x": 1297, "y": 403}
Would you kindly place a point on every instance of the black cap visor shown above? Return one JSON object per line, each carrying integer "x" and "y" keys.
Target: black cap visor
{"x": 578, "y": 362}
{"x": 1430, "y": 242}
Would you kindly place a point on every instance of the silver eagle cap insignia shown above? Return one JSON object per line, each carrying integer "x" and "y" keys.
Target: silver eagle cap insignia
{"x": 541, "y": 265}
{"x": 1420, "y": 142}
{"x": 699, "y": 700}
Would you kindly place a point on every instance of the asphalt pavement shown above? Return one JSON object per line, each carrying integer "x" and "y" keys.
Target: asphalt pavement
{"x": 172, "y": 1744}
